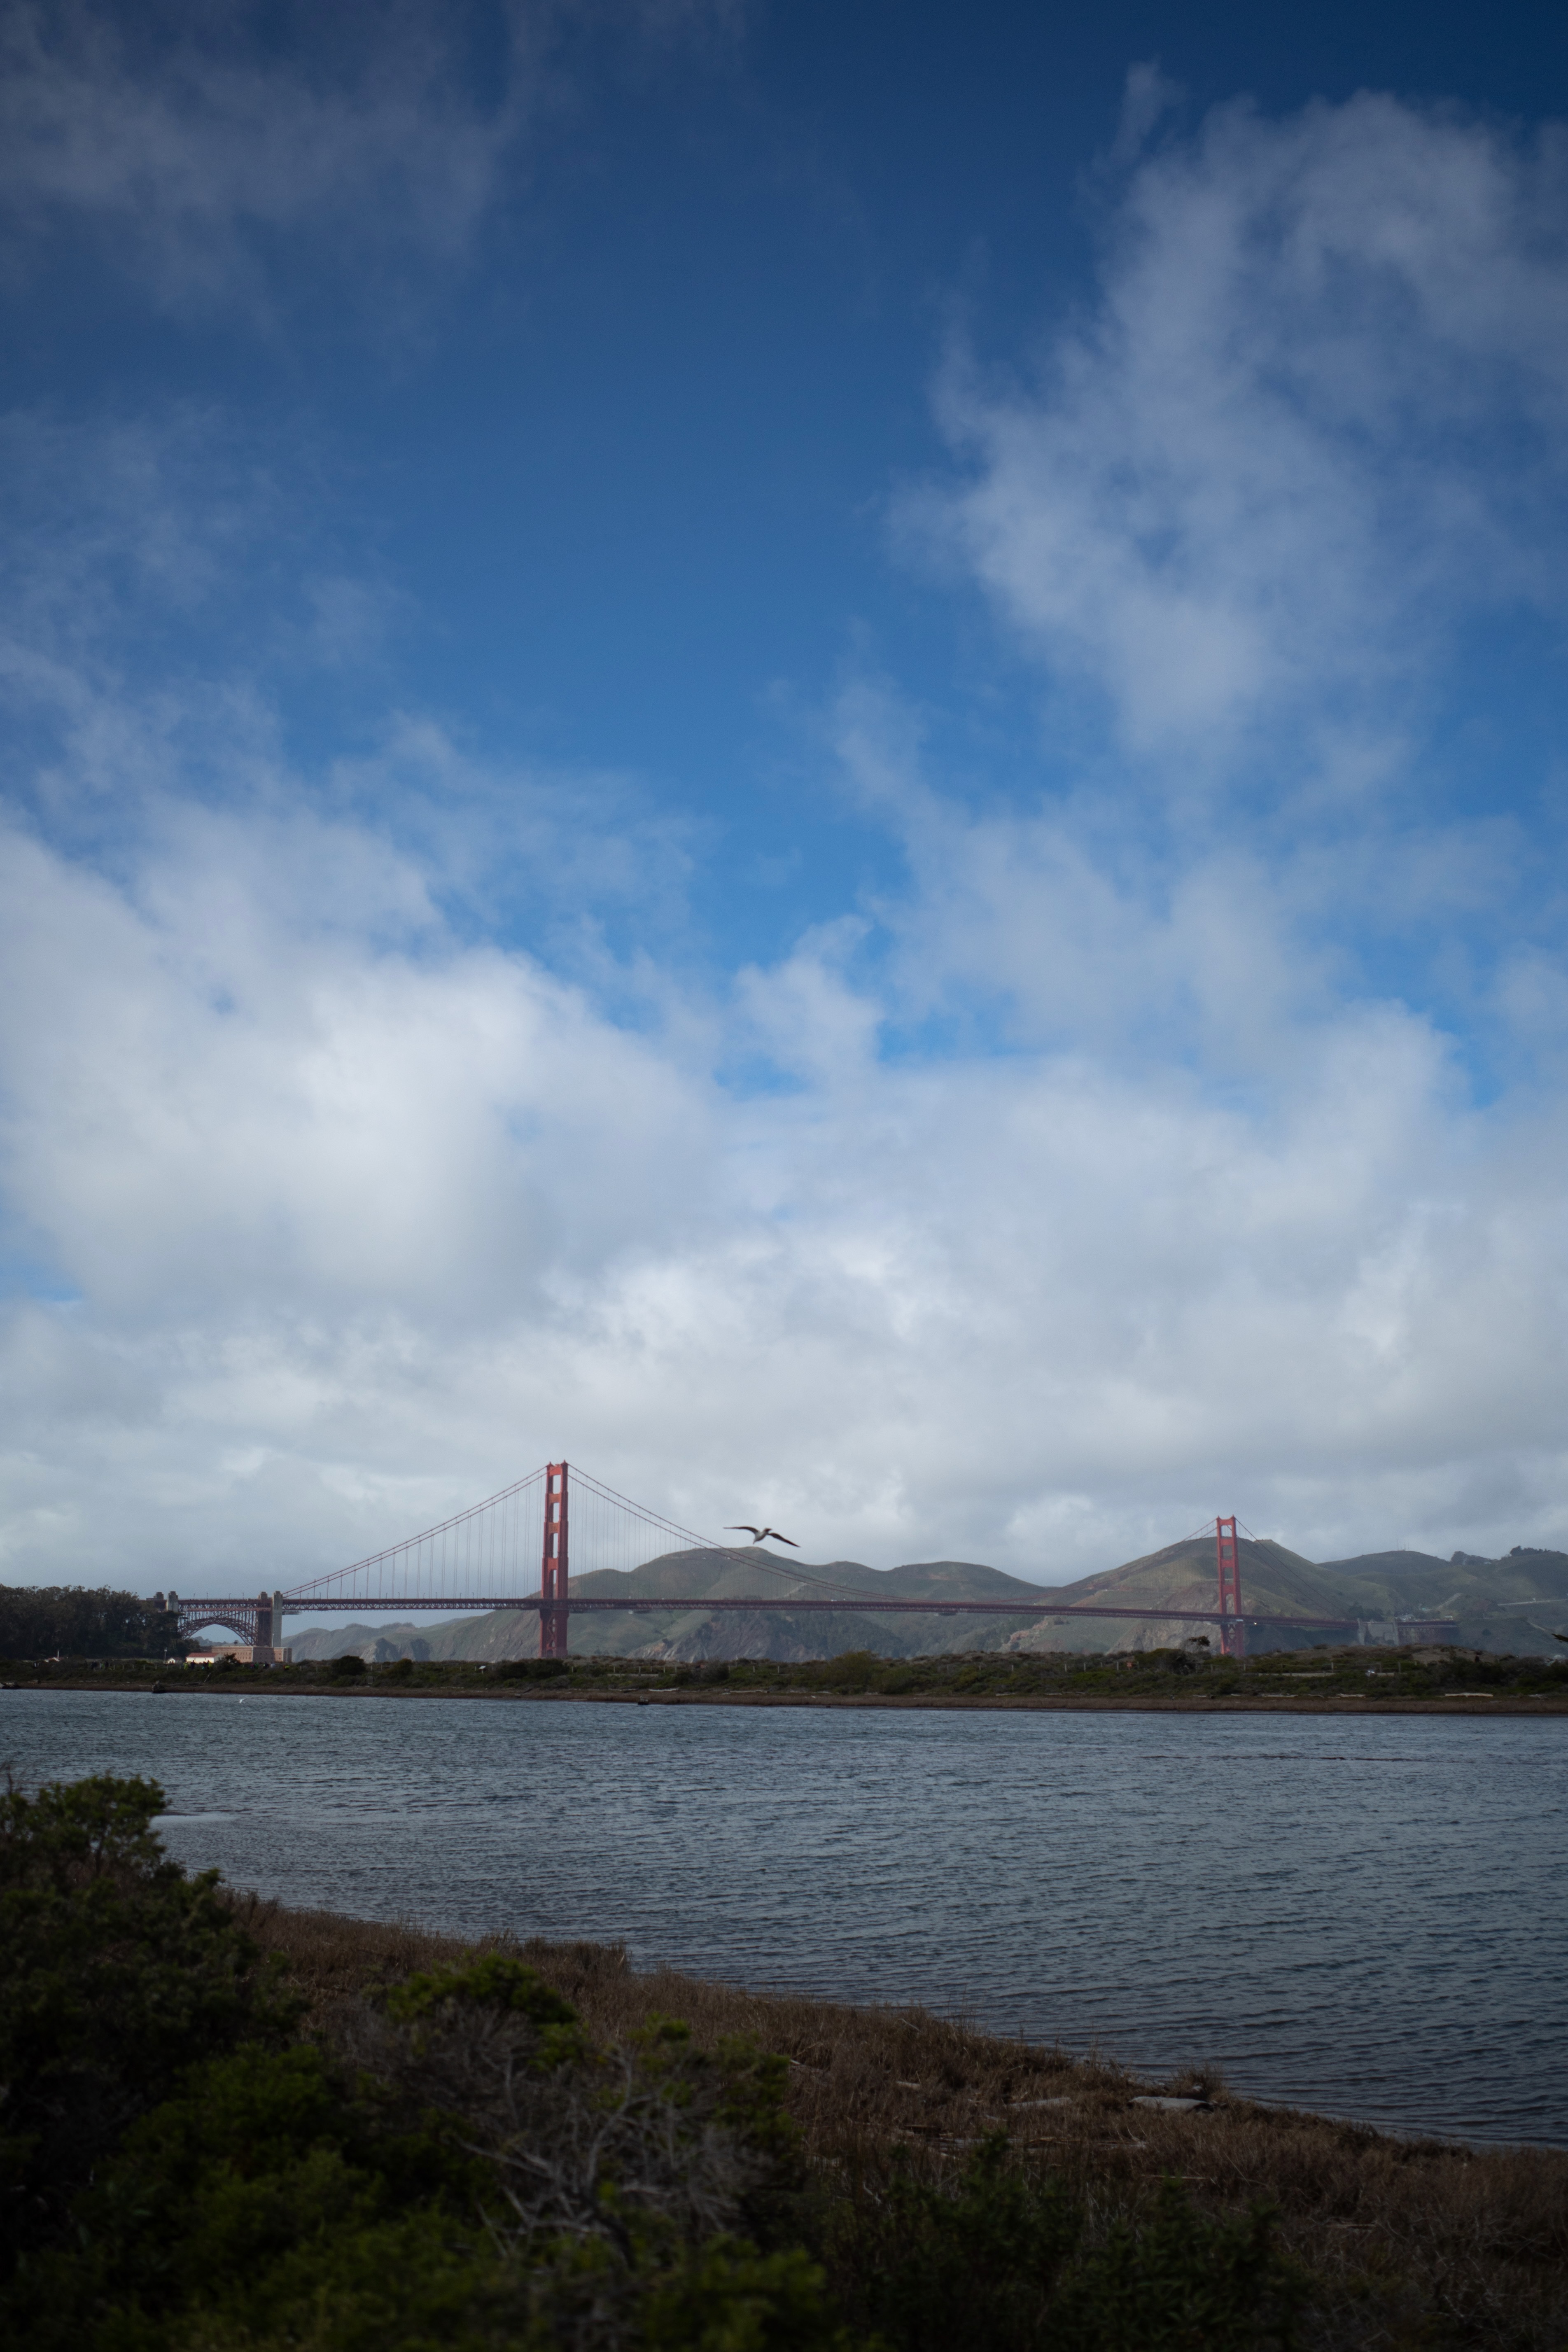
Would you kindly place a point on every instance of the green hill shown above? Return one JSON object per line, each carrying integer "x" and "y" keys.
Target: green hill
{"x": 775, "y": 1632}
{"x": 1181, "y": 1575}
{"x": 692, "y": 1634}
{"x": 1514, "y": 1603}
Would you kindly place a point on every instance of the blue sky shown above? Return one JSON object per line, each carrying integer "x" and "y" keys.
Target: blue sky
{"x": 814, "y": 753}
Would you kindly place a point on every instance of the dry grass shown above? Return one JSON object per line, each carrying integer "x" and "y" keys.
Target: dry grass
{"x": 1412, "y": 2243}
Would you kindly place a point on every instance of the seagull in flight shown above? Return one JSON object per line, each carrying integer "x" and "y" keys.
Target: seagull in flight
{"x": 761, "y": 1535}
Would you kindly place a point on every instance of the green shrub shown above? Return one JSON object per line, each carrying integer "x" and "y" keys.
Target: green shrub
{"x": 937, "y": 2269}
{"x": 460, "y": 2167}
{"x": 852, "y": 1670}
{"x": 347, "y": 1668}
{"x": 1183, "y": 2280}
{"x": 996, "y": 2261}
{"x": 118, "y": 1973}
{"x": 465, "y": 2170}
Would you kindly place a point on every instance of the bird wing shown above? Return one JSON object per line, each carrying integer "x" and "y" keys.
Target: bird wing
{"x": 788, "y": 1539}
{"x": 756, "y": 1534}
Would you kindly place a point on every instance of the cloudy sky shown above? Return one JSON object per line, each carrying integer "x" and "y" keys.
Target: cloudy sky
{"x": 814, "y": 753}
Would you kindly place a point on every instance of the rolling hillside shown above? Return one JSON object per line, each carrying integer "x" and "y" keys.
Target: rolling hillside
{"x": 1514, "y": 1603}
{"x": 699, "y": 1634}
{"x": 1181, "y": 1575}
{"x": 774, "y": 1634}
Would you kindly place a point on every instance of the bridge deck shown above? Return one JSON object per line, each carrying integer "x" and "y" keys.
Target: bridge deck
{"x": 868, "y": 1604}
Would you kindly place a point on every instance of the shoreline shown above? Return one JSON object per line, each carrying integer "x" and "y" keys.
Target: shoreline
{"x": 259, "y": 1685}
{"x": 1408, "y": 2236}
{"x": 367, "y": 1951}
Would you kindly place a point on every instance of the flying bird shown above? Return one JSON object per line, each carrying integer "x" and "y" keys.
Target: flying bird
{"x": 761, "y": 1535}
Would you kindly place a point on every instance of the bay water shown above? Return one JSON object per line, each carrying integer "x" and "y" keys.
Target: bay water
{"x": 1366, "y": 1917}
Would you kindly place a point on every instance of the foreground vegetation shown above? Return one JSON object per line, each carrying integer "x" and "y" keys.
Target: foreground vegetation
{"x": 1191, "y": 1673}
{"x": 195, "y": 2156}
{"x": 228, "y": 2126}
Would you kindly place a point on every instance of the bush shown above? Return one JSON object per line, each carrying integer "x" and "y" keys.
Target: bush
{"x": 852, "y": 1670}
{"x": 463, "y": 2169}
{"x": 118, "y": 1972}
{"x": 934, "y": 2268}
{"x": 995, "y": 2262}
{"x": 1183, "y": 2280}
{"x": 348, "y": 1668}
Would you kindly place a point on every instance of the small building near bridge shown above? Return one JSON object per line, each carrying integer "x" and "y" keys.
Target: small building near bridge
{"x": 243, "y": 1653}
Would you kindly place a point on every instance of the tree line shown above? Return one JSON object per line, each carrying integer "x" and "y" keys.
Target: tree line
{"x": 66, "y": 1621}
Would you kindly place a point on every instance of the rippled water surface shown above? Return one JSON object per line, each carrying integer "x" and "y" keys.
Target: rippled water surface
{"x": 1369, "y": 1917}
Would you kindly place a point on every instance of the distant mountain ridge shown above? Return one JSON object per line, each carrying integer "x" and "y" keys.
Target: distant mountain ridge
{"x": 750, "y": 1569}
{"x": 1497, "y": 1605}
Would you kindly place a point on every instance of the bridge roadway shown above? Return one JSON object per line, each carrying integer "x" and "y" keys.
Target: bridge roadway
{"x": 868, "y": 1604}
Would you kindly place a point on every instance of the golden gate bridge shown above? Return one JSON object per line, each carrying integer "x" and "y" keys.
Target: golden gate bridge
{"x": 575, "y": 1527}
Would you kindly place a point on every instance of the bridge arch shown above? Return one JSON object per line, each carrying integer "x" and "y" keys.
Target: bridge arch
{"x": 237, "y": 1616}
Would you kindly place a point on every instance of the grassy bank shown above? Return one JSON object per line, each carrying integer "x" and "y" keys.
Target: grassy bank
{"x": 1409, "y": 2242}
{"x": 232, "y": 2127}
{"x": 1444, "y": 1681}
{"x": 1406, "y": 2242}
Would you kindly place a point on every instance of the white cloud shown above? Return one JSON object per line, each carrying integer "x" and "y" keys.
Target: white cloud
{"x": 198, "y": 141}
{"x": 330, "y": 1207}
{"x": 1316, "y": 413}
{"x": 353, "y": 1221}
{"x": 184, "y": 136}
{"x": 144, "y": 680}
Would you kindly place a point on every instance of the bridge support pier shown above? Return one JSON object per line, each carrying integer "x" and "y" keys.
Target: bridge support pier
{"x": 553, "y": 1611}
{"x": 269, "y": 1626}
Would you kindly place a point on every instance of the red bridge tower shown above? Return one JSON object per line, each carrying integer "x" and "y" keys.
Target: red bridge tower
{"x": 1227, "y": 1557}
{"x": 552, "y": 1572}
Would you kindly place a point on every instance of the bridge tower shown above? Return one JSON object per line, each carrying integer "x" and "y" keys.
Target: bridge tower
{"x": 553, "y": 1568}
{"x": 1227, "y": 1559}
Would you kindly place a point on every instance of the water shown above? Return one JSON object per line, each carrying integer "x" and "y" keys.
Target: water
{"x": 1364, "y": 1917}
